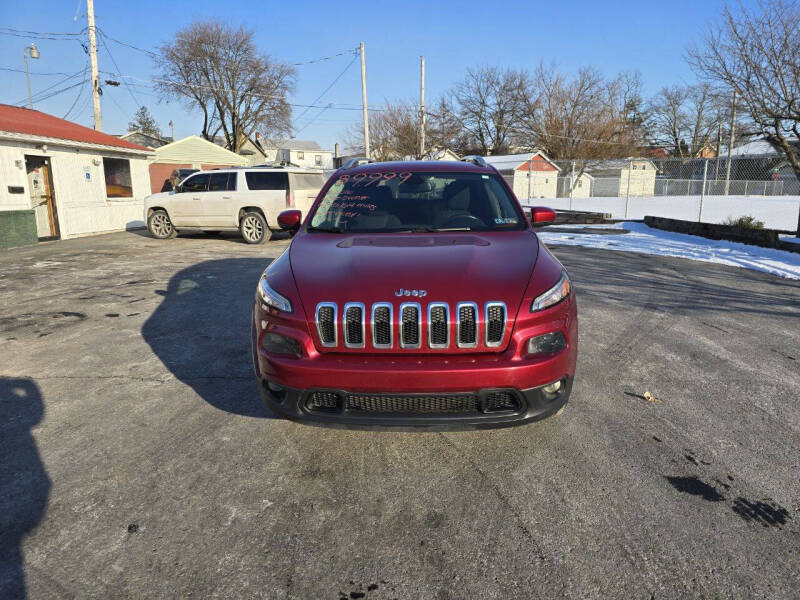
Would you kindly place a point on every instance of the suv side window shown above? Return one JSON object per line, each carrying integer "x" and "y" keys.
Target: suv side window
{"x": 222, "y": 182}
{"x": 196, "y": 183}
{"x": 257, "y": 180}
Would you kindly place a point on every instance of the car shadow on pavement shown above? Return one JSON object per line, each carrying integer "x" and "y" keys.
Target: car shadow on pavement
{"x": 201, "y": 332}
{"x": 24, "y": 483}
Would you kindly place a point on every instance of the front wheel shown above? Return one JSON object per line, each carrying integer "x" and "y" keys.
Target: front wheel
{"x": 253, "y": 228}
{"x": 159, "y": 225}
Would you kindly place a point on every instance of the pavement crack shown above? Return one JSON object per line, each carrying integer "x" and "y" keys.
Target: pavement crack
{"x": 520, "y": 522}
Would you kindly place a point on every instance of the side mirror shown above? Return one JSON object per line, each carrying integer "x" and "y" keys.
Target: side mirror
{"x": 541, "y": 215}
{"x": 289, "y": 220}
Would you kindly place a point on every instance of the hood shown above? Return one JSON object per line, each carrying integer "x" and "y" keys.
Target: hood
{"x": 457, "y": 267}
{"x": 157, "y": 197}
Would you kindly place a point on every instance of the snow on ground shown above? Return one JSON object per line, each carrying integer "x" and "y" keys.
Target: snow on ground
{"x": 790, "y": 239}
{"x": 646, "y": 240}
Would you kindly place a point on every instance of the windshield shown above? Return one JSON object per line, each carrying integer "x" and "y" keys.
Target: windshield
{"x": 386, "y": 201}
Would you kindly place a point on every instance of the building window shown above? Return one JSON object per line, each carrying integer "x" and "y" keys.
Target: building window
{"x": 580, "y": 183}
{"x": 118, "y": 177}
{"x": 318, "y": 160}
{"x": 634, "y": 167}
{"x": 300, "y": 155}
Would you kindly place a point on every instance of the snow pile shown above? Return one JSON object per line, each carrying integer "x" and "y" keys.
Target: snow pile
{"x": 645, "y": 240}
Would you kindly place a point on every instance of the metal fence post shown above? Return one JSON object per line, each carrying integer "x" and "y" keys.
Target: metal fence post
{"x": 530, "y": 171}
{"x": 628, "y": 190}
{"x": 703, "y": 191}
{"x": 571, "y": 184}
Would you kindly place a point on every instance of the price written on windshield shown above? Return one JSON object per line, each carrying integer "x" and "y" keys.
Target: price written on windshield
{"x": 368, "y": 179}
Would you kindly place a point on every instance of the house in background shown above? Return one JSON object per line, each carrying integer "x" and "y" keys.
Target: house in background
{"x": 623, "y": 177}
{"x": 530, "y": 174}
{"x": 59, "y": 179}
{"x": 191, "y": 152}
{"x": 297, "y": 153}
{"x": 145, "y": 139}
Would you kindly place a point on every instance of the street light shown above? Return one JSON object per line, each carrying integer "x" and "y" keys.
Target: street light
{"x": 34, "y": 53}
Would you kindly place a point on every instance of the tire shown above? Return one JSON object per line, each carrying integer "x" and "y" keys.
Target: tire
{"x": 253, "y": 228}
{"x": 160, "y": 226}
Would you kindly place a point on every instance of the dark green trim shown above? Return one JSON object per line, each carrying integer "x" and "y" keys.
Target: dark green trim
{"x": 17, "y": 228}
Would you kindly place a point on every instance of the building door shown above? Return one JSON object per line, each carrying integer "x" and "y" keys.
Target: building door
{"x": 43, "y": 202}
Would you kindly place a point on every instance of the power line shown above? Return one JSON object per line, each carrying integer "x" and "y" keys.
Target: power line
{"x": 105, "y": 35}
{"x": 30, "y": 72}
{"x": 314, "y": 118}
{"x": 334, "y": 105}
{"x": 316, "y": 60}
{"x": 56, "y": 84}
{"x": 111, "y": 56}
{"x": 80, "y": 91}
{"x": 65, "y": 33}
{"x": 327, "y": 89}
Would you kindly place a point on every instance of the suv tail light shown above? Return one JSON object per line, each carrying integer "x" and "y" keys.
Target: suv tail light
{"x": 288, "y": 198}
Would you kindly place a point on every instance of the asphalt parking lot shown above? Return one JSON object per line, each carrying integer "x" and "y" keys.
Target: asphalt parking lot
{"x": 138, "y": 461}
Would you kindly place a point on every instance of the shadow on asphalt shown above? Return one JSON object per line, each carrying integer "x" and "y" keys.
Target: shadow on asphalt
{"x": 201, "y": 332}
{"x": 24, "y": 484}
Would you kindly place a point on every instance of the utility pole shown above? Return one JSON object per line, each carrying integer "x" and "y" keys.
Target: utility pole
{"x": 364, "y": 99}
{"x": 98, "y": 121}
{"x": 421, "y": 107}
{"x": 730, "y": 145}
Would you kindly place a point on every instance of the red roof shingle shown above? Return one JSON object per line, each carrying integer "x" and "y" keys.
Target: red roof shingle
{"x": 14, "y": 119}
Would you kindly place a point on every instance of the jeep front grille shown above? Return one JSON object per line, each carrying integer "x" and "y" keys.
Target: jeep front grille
{"x": 495, "y": 320}
{"x": 354, "y": 325}
{"x": 410, "y": 325}
{"x": 374, "y": 326}
{"x": 326, "y": 323}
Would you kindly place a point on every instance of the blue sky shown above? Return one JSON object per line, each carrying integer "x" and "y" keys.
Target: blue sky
{"x": 650, "y": 37}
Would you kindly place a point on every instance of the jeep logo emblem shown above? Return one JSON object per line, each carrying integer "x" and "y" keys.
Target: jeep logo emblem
{"x": 417, "y": 293}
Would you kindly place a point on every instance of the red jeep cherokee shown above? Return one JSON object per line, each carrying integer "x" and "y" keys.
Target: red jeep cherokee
{"x": 415, "y": 293}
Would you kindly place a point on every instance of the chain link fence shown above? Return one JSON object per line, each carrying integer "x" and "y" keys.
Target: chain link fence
{"x": 707, "y": 189}
{"x": 739, "y": 176}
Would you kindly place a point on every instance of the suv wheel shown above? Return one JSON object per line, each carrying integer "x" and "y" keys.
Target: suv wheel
{"x": 159, "y": 225}
{"x": 253, "y": 228}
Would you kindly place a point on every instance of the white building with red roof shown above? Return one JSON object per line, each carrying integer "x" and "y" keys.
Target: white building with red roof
{"x": 65, "y": 180}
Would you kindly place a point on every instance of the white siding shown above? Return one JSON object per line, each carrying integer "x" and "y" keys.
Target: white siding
{"x": 82, "y": 206}
{"x": 196, "y": 151}
{"x": 542, "y": 184}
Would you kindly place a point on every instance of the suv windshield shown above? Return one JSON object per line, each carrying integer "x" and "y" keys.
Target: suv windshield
{"x": 385, "y": 201}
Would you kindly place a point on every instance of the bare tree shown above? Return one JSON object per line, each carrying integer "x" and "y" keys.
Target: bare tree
{"x": 393, "y": 132}
{"x": 218, "y": 70}
{"x": 489, "y": 103}
{"x": 757, "y": 55}
{"x": 685, "y": 119}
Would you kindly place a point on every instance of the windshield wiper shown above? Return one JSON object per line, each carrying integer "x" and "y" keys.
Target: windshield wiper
{"x": 325, "y": 229}
{"x": 447, "y": 229}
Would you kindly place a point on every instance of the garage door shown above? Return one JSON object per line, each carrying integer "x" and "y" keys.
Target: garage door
{"x": 160, "y": 172}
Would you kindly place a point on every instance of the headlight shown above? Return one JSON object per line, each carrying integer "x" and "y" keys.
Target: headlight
{"x": 554, "y": 295}
{"x": 272, "y": 298}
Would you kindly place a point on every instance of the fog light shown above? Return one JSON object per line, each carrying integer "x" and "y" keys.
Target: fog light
{"x": 275, "y": 343}
{"x": 549, "y": 343}
{"x": 552, "y": 388}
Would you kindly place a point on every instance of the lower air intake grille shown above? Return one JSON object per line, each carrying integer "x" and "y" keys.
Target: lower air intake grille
{"x": 382, "y": 403}
{"x": 495, "y": 323}
{"x": 323, "y": 401}
{"x": 326, "y": 325}
{"x": 497, "y": 401}
{"x": 438, "y": 326}
{"x": 409, "y": 327}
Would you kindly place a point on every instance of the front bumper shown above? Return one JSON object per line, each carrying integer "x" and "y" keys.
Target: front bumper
{"x": 533, "y": 404}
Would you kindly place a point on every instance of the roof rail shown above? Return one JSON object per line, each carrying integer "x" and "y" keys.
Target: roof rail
{"x": 475, "y": 160}
{"x": 356, "y": 161}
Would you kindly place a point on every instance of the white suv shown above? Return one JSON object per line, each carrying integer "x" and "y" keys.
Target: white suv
{"x": 243, "y": 199}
